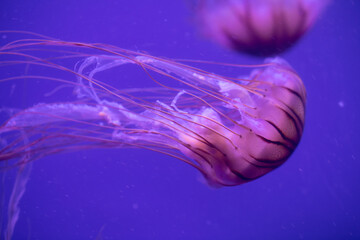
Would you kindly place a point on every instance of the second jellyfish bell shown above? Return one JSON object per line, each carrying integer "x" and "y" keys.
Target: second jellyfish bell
{"x": 257, "y": 27}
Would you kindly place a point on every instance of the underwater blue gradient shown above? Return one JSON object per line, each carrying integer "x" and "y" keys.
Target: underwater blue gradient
{"x": 137, "y": 194}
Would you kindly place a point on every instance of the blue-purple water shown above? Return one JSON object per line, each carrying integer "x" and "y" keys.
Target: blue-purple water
{"x": 138, "y": 194}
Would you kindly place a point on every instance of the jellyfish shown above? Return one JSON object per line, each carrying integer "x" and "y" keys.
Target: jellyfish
{"x": 257, "y": 27}
{"x": 231, "y": 129}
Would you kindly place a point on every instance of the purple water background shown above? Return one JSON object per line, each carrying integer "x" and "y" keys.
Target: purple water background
{"x": 137, "y": 194}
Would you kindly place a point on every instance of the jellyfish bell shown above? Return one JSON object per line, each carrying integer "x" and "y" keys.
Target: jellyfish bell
{"x": 262, "y": 132}
{"x": 232, "y": 130}
{"x": 257, "y": 27}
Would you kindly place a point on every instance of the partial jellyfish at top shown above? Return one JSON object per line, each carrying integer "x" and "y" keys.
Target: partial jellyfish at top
{"x": 257, "y": 27}
{"x": 232, "y": 129}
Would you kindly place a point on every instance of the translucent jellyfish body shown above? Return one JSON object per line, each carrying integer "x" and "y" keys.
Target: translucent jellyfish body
{"x": 233, "y": 130}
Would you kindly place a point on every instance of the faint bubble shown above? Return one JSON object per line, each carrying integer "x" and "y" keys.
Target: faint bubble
{"x": 135, "y": 206}
{"x": 341, "y": 104}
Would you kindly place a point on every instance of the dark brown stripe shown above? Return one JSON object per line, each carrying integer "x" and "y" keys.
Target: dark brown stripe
{"x": 298, "y": 131}
{"x": 242, "y": 176}
{"x": 256, "y": 165}
{"x": 296, "y": 94}
{"x": 268, "y": 161}
{"x": 301, "y": 121}
{"x": 282, "y": 134}
{"x": 274, "y": 142}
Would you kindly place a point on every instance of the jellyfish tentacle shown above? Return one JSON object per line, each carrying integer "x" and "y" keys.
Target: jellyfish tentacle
{"x": 167, "y": 66}
{"x": 173, "y": 103}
